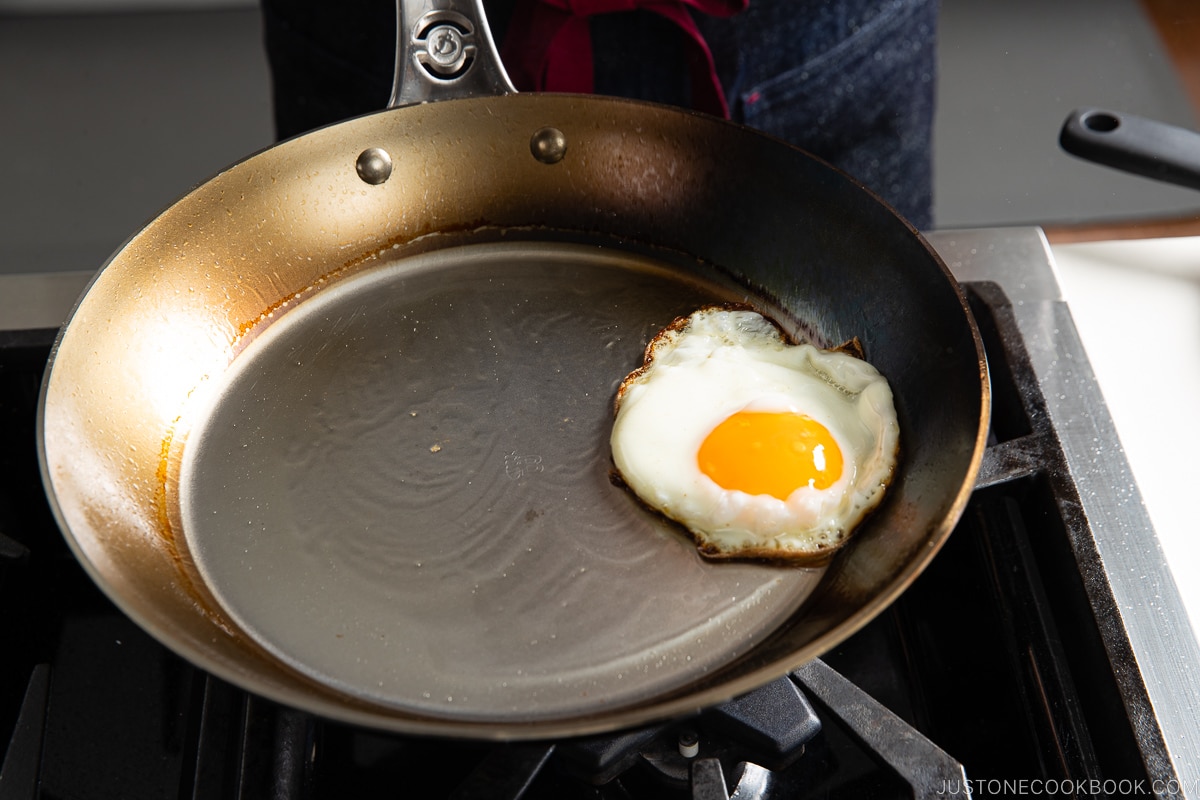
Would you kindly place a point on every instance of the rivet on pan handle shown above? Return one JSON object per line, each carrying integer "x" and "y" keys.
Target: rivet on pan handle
{"x": 444, "y": 50}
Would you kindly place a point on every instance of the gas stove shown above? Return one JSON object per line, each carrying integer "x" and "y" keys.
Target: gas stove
{"x": 1044, "y": 651}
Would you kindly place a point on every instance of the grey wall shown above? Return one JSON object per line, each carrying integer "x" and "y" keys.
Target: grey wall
{"x": 1010, "y": 72}
{"x": 107, "y": 118}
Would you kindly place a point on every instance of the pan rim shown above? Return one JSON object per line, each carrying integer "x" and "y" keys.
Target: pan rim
{"x": 669, "y": 706}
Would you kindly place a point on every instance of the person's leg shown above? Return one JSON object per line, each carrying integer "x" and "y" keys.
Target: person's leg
{"x": 851, "y": 81}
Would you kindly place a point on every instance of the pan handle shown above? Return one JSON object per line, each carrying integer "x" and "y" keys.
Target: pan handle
{"x": 444, "y": 50}
{"x": 1134, "y": 144}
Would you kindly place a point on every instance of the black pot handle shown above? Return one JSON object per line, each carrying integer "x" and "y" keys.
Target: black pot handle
{"x": 1134, "y": 144}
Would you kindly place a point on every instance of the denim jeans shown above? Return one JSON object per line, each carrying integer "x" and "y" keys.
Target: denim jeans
{"x": 851, "y": 81}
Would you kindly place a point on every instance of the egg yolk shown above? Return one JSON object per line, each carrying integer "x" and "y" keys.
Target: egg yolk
{"x": 771, "y": 453}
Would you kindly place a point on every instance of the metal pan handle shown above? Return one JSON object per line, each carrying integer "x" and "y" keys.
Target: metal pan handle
{"x": 444, "y": 51}
{"x": 1134, "y": 144}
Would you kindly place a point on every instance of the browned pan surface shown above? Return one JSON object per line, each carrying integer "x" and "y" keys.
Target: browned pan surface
{"x": 345, "y": 444}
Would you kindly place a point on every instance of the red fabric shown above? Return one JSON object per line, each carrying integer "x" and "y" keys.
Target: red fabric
{"x": 549, "y": 44}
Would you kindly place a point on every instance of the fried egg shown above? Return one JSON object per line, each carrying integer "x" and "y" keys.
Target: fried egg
{"x": 760, "y": 447}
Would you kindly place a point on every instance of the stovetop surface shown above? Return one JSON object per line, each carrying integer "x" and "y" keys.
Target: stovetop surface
{"x": 992, "y": 654}
{"x": 982, "y": 655}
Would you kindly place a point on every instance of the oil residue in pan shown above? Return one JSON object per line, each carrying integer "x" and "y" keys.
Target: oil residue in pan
{"x": 403, "y": 491}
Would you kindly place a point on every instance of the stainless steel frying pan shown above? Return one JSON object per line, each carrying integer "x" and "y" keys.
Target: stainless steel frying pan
{"x": 335, "y": 425}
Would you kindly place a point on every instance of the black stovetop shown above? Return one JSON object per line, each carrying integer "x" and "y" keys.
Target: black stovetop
{"x": 993, "y": 654}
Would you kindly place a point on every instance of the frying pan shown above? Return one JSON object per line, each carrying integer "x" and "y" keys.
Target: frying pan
{"x": 334, "y": 425}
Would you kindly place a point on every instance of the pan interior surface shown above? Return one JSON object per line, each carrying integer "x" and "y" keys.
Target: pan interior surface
{"x": 403, "y": 491}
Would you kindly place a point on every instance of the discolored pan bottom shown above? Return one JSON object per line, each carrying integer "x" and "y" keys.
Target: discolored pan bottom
{"x": 404, "y": 491}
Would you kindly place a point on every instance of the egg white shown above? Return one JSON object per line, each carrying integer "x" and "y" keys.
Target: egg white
{"x": 719, "y": 361}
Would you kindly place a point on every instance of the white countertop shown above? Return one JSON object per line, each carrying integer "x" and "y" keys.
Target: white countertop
{"x": 1136, "y": 305}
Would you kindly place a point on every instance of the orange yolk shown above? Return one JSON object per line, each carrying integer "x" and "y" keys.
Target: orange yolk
{"x": 770, "y": 453}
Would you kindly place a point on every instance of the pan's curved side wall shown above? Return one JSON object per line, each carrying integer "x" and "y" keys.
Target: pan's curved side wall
{"x": 167, "y": 315}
